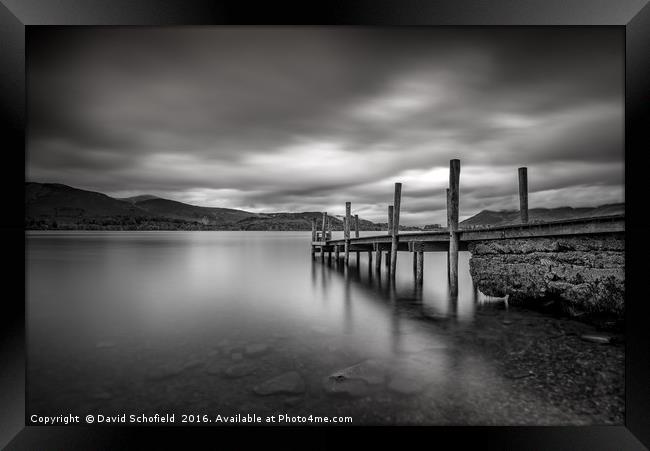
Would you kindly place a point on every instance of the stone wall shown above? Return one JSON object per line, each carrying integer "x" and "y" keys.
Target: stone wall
{"x": 583, "y": 274}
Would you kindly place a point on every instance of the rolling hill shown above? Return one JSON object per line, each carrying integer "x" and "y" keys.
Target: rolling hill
{"x": 57, "y": 206}
{"x": 505, "y": 217}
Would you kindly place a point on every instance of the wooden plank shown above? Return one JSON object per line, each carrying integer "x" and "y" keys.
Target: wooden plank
{"x": 396, "y": 207}
{"x": 523, "y": 194}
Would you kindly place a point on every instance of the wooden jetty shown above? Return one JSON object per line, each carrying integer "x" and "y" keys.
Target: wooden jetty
{"x": 453, "y": 239}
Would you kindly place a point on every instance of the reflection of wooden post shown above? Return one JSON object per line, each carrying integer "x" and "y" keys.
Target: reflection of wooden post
{"x": 356, "y": 233}
{"x": 415, "y": 257}
{"x": 419, "y": 269}
{"x": 390, "y": 231}
{"x": 346, "y": 232}
{"x": 523, "y": 195}
{"x": 393, "y": 247}
{"x": 377, "y": 257}
{"x": 454, "y": 179}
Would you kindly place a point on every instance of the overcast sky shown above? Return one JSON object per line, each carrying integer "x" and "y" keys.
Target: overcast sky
{"x": 306, "y": 118}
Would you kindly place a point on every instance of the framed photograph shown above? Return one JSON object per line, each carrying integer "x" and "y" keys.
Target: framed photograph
{"x": 306, "y": 221}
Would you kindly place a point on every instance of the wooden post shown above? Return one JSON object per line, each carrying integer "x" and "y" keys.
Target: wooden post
{"x": 454, "y": 244}
{"x": 448, "y": 229}
{"x": 377, "y": 257}
{"x": 313, "y": 236}
{"x": 390, "y": 232}
{"x": 419, "y": 271}
{"x": 323, "y": 236}
{"x": 393, "y": 247}
{"x": 346, "y": 232}
{"x": 356, "y": 233}
{"x": 523, "y": 195}
{"x": 336, "y": 253}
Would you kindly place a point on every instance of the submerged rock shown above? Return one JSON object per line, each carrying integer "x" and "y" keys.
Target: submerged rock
{"x": 287, "y": 383}
{"x": 256, "y": 349}
{"x": 594, "y": 338}
{"x": 369, "y": 371}
{"x": 239, "y": 370}
{"x": 236, "y": 356}
{"x": 355, "y": 388}
{"x": 214, "y": 368}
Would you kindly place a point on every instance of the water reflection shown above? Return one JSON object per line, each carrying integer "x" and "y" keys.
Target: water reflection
{"x": 124, "y": 321}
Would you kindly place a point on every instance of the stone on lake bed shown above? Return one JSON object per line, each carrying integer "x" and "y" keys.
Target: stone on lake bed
{"x": 354, "y": 388}
{"x": 594, "y": 338}
{"x": 236, "y": 356}
{"x": 239, "y": 370}
{"x": 256, "y": 349}
{"x": 214, "y": 368}
{"x": 372, "y": 372}
{"x": 287, "y": 383}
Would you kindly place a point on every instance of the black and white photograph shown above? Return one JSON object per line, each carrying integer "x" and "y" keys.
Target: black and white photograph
{"x": 315, "y": 225}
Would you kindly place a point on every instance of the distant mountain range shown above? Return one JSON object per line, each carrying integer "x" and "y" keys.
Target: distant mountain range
{"x": 57, "y": 206}
{"x": 506, "y": 217}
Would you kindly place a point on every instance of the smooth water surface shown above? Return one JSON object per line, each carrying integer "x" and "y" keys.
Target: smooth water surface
{"x": 196, "y": 322}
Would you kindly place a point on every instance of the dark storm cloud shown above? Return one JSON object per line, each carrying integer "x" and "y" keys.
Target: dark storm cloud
{"x": 305, "y": 118}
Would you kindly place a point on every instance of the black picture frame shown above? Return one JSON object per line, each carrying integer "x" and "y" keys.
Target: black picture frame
{"x": 16, "y": 16}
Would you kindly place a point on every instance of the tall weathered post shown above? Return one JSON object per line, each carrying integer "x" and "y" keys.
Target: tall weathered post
{"x": 313, "y": 236}
{"x": 448, "y": 228}
{"x": 322, "y": 237}
{"x": 390, "y": 232}
{"x": 356, "y": 233}
{"x": 454, "y": 244}
{"x": 395, "y": 238}
{"x": 346, "y": 231}
{"x": 523, "y": 195}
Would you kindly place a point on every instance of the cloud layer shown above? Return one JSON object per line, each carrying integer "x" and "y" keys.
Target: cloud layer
{"x": 306, "y": 118}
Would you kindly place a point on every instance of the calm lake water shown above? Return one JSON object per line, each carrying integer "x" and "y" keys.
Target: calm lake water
{"x": 200, "y": 322}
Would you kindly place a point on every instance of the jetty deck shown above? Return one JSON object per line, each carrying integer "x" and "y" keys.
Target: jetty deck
{"x": 451, "y": 239}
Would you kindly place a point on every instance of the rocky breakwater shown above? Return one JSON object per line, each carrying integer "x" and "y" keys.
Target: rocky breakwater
{"x": 578, "y": 274}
